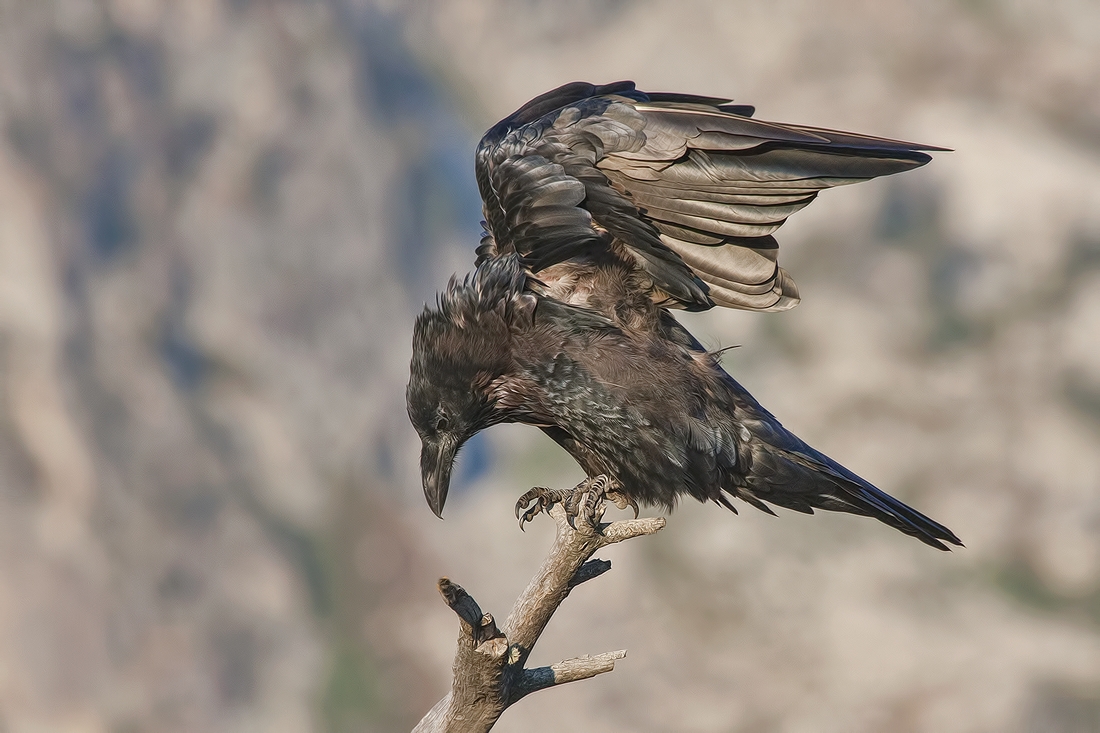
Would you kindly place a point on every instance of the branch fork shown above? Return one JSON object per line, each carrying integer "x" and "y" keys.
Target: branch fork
{"x": 489, "y": 672}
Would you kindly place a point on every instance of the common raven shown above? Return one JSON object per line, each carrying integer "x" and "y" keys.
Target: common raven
{"x": 604, "y": 208}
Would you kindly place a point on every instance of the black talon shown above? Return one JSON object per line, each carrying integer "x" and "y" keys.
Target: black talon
{"x": 542, "y": 498}
{"x": 622, "y": 501}
{"x": 525, "y": 501}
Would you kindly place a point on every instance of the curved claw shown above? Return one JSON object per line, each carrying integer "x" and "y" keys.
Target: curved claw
{"x": 632, "y": 504}
{"x": 523, "y": 502}
{"x": 535, "y": 502}
{"x": 528, "y": 515}
{"x": 525, "y": 512}
{"x": 584, "y": 502}
{"x": 589, "y": 499}
{"x": 623, "y": 501}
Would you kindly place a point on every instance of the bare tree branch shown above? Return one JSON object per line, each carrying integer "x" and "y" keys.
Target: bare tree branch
{"x": 571, "y": 670}
{"x": 489, "y": 672}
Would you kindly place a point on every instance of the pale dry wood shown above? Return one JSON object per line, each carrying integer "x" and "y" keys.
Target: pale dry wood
{"x": 489, "y": 673}
{"x": 571, "y": 670}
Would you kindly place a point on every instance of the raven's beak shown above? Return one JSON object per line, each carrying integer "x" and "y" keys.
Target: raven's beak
{"x": 436, "y": 460}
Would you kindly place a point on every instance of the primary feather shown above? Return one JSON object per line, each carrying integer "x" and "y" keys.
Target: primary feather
{"x": 688, "y": 186}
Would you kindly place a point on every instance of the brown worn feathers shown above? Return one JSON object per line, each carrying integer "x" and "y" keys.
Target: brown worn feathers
{"x": 690, "y": 188}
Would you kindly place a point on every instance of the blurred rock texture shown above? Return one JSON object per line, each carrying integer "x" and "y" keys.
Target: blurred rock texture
{"x": 219, "y": 217}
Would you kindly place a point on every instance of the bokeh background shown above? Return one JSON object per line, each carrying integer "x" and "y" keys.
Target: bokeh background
{"x": 218, "y": 219}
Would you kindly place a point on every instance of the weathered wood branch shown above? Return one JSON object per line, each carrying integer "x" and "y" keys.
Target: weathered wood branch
{"x": 489, "y": 673}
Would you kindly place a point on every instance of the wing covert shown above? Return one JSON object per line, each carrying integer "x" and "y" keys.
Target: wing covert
{"x": 692, "y": 187}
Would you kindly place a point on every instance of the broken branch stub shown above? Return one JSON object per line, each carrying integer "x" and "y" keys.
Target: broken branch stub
{"x": 489, "y": 673}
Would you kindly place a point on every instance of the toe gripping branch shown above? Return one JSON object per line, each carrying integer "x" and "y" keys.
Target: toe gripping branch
{"x": 584, "y": 502}
{"x": 489, "y": 672}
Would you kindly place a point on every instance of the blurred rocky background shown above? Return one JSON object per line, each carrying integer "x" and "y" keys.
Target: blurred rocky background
{"x": 218, "y": 219}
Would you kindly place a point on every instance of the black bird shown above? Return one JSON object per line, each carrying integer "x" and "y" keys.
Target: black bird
{"x": 605, "y": 207}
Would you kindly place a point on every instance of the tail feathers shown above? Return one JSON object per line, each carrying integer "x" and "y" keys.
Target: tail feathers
{"x": 886, "y": 508}
{"x": 807, "y": 482}
{"x": 866, "y": 499}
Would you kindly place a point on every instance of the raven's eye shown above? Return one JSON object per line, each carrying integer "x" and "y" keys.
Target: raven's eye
{"x": 441, "y": 424}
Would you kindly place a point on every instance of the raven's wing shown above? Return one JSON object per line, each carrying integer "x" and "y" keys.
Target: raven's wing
{"x": 690, "y": 186}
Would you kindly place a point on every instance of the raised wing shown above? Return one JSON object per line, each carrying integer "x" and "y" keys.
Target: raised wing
{"x": 691, "y": 187}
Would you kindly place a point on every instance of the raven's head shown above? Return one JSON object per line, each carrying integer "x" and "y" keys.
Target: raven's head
{"x": 460, "y": 351}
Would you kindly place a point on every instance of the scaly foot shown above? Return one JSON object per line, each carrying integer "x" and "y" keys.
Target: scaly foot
{"x": 584, "y": 502}
{"x": 542, "y": 498}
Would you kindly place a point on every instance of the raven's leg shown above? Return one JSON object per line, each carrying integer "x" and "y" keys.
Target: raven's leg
{"x": 584, "y": 501}
{"x": 588, "y": 501}
{"x": 543, "y": 499}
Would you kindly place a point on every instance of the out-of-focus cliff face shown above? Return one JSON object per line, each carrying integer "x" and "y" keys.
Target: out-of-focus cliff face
{"x": 212, "y": 216}
{"x": 218, "y": 219}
